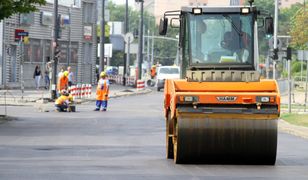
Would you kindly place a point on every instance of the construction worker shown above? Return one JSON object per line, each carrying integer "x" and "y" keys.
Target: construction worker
{"x": 102, "y": 92}
{"x": 63, "y": 82}
{"x": 62, "y": 103}
{"x": 153, "y": 71}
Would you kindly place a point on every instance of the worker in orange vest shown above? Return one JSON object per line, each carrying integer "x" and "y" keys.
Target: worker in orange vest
{"x": 102, "y": 92}
{"x": 63, "y": 81}
{"x": 153, "y": 71}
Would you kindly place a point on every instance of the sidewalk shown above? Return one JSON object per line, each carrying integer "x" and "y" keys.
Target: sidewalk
{"x": 31, "y": 96}
{"x": 297, "y": 97}
{"x": 297, "y": 102}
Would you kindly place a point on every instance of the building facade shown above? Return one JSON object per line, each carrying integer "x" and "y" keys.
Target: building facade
{"x": 78, "y": 36}
{"x": 289, "y": 3}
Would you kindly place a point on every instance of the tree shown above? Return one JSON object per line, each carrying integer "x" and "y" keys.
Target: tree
{"x": 299, "y": 29}
{"x": 10, "y": 7}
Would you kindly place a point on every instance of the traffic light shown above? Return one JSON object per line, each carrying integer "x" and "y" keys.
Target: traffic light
{"x": 58, "y": 28}
{"x": 289, "y": 53}
{"x": 274, "y": 54}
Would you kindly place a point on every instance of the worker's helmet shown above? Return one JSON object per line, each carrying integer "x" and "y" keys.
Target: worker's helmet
{"x": 103, "y": 74}
{"x": 64, "y": 92}
{"x": 65, "y": 73}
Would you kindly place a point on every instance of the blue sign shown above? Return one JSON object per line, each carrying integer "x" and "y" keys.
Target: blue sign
{"x": 23, "y": 34}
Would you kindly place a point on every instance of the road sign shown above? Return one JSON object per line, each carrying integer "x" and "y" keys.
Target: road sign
{"x": 19, "y": 33}
{"x": 129, "y": 37}
{"x": 23, "y": 34}
{"x": 271, "y": 43}
{"x": 302, "y": 55}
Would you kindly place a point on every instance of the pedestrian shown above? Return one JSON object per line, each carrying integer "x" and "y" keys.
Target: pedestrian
{"x": 70, "y": 76}
{"x": 102, "y": 92}
{"x": 61, "y": 72}
{"x": 63, "y": 82}
{"x": 47, "y": 79}
{"x": 46, "y": 75}
{"x": 37, "y": 76}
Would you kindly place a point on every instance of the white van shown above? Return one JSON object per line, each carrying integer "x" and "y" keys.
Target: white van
{"x": 166, "y": 72}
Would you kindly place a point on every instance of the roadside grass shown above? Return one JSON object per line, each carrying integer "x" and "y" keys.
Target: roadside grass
{"x": 296, "y": 119}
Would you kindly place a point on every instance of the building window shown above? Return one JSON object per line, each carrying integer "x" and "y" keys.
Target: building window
{"x": 87, "y": 53}
{"x": 88, "y": 13}
{"x": 36, "y": 51}
{"x": 26, "y": 19}
{"x": 27, "y": 52}
{"x": 74, "y": 52}
{"x": 47, "y": 51}
{"x": 63, "y": 56}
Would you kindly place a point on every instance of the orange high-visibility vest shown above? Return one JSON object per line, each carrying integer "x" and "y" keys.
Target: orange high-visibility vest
{"x": 63, "y": 83}
{"x": 102, "y": 90}
{"x": 153, "y": 71}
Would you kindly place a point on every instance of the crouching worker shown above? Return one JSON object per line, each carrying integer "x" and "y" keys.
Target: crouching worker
{"x": 62, "y": 103}
{"x": 102, "y": 92}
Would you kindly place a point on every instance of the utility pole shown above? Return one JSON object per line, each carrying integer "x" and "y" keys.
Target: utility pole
{"x": 148, "y": 50}
{"x": 55, "y": 45}
{"x": 152, "y": 53}
{"x": 289, "y": 57}
{"x": 275, "y": 38}
{"x": 69, "y": 36}
{"x": 126, "y": 60}
{"x": 140, "y": 49}
{"x": 102, "y": 40}
{"x": 22, "y": 67}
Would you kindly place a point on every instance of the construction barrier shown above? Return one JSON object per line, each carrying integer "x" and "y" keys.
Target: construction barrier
{"x": 90, "y": 90}
{"x": 73, "y": 91}
{"x": 118, "y": 79}
{"x": 81, "y": 91}
{"x": 140, "y": 85}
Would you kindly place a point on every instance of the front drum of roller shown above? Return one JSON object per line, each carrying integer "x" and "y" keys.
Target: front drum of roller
{"x": 201, "y": 138}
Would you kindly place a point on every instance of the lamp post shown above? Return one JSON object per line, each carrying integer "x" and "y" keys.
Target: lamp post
{"x": 140, "y": 46}
{"x": 69, "y": 35}
{"x": 55, "y": 45}
{"x": 125, "y": 58}
{"x": 102, "y": 40}
{"x": 275, "y": 37}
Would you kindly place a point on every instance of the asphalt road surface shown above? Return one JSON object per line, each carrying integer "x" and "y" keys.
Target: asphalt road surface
{"x": 126, "y": 142}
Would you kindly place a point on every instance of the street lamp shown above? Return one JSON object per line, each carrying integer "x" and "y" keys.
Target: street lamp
{"x": 55, "y": 40}
{"x": 140, "y": 56}
{"x": 102, "y": 40}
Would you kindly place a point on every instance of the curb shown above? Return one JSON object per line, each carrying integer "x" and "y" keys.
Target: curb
{"x": 41, "y": 101}
{"x": 120, "y": 94}
{"x": 295, "y": 130}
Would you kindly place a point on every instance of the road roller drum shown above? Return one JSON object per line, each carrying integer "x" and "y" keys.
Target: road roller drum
{"x": 202, "y": 138}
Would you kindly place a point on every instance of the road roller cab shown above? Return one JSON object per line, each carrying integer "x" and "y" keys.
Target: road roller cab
{"x": 220, "y": 110}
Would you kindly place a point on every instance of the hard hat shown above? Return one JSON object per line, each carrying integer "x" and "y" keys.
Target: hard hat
{"x": 65, "y": 73}
{"x": 103, "y": 74}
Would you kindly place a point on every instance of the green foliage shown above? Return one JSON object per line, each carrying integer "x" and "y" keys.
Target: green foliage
{"x": 164, "y": 50}
{"x": 296, "y": 67}
{"x": 285, "y": 16}
{"x": 10, "y": 7}
{"x": 299, "y": 29}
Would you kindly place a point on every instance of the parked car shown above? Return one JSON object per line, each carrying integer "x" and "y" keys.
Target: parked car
{"x": 166, "y": 72}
